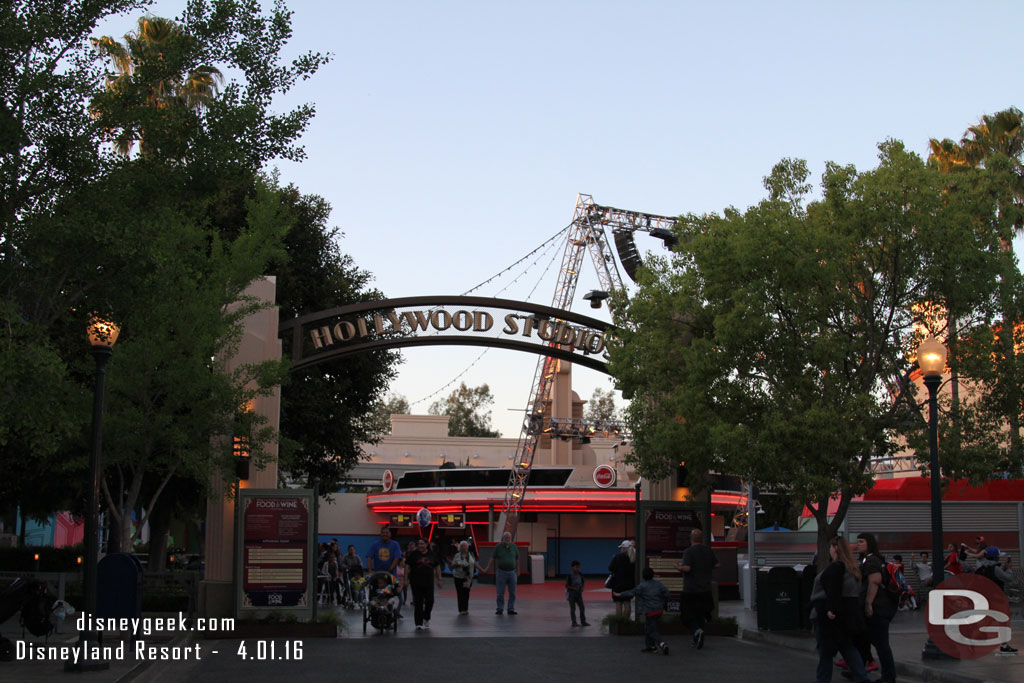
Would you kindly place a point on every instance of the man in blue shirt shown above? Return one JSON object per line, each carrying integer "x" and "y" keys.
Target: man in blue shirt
{"x": 384, "y": 554}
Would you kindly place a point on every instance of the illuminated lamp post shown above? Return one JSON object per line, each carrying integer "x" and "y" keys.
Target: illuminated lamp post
{"x": 102, "y": 335}
{"x": 931, "y": 358}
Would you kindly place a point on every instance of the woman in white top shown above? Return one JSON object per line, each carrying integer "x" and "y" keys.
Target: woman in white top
{"x": 462, "y": 564}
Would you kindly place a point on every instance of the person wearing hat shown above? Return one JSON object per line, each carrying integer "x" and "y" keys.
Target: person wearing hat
{"x": 623, "y": 576}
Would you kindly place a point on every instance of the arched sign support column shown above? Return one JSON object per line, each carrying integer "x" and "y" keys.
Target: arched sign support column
{"x": 259, "y": 343}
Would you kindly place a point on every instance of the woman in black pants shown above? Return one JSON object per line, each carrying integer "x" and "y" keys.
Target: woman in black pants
{"x": 463, "y": 563}
{"x": 424, "y": 570}
{"x": 623, "y": 576}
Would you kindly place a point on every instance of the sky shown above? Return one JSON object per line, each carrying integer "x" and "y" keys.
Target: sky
{"x": 452, "y": 138}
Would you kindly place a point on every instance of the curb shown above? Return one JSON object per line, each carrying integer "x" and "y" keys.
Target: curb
{"x": 142, "y": 666}
{"x": 918, "y": 671}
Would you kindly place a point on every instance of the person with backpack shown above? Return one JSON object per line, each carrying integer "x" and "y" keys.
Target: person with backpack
{"x": 897, "y": 584}
{"x": 879, "y": 605}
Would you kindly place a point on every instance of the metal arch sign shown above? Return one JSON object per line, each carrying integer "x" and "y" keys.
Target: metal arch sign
{"x": 446, "y": 320}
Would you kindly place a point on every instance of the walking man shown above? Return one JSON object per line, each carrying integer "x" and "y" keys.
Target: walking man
{"x": 506, "y": 561}
{"x": 697, "y": 603}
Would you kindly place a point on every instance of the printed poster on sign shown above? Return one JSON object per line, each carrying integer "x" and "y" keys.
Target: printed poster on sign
{"x": 666, "y": 534}
{"x": 275, "y": 550}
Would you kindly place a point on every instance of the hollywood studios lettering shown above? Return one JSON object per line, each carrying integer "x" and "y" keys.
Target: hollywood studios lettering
{"x": 586, "y": 340}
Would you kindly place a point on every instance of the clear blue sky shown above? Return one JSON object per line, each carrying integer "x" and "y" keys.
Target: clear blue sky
{"x": 452, "y": 138}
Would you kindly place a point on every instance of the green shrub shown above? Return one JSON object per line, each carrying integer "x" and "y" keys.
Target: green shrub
{"x": 50, "y": 559}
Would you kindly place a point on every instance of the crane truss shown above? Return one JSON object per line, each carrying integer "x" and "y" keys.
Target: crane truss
{"x": 587, "y": 233}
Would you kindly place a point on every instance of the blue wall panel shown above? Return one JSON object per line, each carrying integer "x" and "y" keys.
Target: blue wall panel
{"x": 594, "y": 554}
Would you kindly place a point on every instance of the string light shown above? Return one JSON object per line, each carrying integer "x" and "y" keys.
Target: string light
{"x": 548, "y": 245}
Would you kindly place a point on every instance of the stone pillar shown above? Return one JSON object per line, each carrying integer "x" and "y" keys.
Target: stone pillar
{"x": 561, "y": 407}
{"x": 259, "y": 343}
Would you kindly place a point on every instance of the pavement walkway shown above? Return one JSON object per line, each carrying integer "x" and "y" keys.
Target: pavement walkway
{"x": 907, "y": 636}
{"x": 538, "y": 643}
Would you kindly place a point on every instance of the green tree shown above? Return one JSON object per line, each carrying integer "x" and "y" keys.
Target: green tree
{"x": 601, "y": 408}
{"x": 468, "y": 411}
{"x": 773, "y": 344}
{"x": 986, "y": 432}
{"x": 48, "y": 154}
{"x": 328, "y": 410}
{"x": 86, "y": 229}
{"x": 394, "y": 404}
{"x": 171, "y": 399}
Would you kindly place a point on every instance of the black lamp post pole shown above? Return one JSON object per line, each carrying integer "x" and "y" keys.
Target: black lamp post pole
{"x": 931, "y": 651}
{"x": 92, "y": 515}
{"x": 92, "y": 519}
{"x": 638, "y": 522}
{"x": 938, "y": 562}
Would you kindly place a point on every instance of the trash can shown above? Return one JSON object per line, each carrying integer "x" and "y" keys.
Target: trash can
{"x": 537, "y": 572}
{"x": 778, "y": 599}
{"x": 806, "y": 586}
{"x": 119, "y": 586}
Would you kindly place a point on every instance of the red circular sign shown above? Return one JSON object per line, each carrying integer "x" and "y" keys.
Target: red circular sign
{"x": 604, "y": 476}
{"x": 388, "y": 480}
{"x": 968, "y": 616}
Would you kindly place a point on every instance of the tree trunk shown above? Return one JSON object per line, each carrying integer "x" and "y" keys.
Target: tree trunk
{"x": 828, "y": 530}
{"x": 113, "y": 531}
{"x": 125, "y": 531}
{"x": 159, "y": 530}
{"x": 822, "y": 557}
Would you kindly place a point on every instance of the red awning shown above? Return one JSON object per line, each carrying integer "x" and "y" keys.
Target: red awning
{"x": 919, "y": 488}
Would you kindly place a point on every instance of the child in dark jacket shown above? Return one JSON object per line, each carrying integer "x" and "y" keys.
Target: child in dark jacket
{"x": 574, "y": 593}
{"x": 651, "y": 597}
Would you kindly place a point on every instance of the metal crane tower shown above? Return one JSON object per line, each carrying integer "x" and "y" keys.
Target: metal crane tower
{"x": 587, "y": 232}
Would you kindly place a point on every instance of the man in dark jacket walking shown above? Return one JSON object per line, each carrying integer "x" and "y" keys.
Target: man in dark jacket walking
{"x": 696, "y": 602}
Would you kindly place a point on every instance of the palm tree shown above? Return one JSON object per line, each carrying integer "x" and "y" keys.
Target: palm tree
{"x": 999, "y": 135}
{"x": 149, "y": 69}
{"x": 995, "y": 135}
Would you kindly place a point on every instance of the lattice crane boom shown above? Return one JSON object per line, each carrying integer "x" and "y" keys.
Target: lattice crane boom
{"x": 587, "y": 233}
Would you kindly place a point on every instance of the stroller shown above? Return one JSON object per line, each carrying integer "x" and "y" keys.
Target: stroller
{"x": 352, "y": 588}
{"x": 380, "y": 605}
{"x": 35, "y": 605}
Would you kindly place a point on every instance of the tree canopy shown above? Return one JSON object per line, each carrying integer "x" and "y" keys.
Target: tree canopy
{"x": 774, "y": 342}
{"x": 601, "y": 408}
{"x": 468, "y": 410}
{"x": 163, "y": 242}
{"x": 329, "y": 410}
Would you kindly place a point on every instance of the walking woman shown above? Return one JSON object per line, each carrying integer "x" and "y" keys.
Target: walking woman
{"x": 623, "y": 576}
{"x": 463, "y": 563}
{"x": 836, "y": 612}
{"x": 879, "y": 606}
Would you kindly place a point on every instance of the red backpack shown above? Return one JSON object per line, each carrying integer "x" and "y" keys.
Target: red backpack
{"x": 895, "y": 584}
